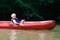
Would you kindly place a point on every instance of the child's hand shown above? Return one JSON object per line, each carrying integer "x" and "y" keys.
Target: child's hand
{"x": 22, "y": 20}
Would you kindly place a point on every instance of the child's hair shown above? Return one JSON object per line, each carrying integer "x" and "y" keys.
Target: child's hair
{"x": 13, "y": 14}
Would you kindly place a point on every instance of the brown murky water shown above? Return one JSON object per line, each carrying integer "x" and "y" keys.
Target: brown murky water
{"x": 30, "y": 34}
{"x": 36, "y": 35}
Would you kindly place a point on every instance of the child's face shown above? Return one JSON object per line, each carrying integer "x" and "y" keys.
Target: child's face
{"x": 14, "y": 16}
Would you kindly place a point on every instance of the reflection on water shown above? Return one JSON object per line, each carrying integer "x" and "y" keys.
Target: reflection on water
{"x": 46, "y": 35}
{"x": 30, "y": 34}
{"x": 36, "y": 34}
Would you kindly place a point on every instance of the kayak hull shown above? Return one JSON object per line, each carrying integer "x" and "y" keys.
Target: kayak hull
{"x": 27, "y": 25}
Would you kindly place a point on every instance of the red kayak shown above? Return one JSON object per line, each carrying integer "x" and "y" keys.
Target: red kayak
{"x": 50, "y": 24}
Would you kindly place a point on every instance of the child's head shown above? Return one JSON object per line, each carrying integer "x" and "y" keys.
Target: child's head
{"x": 13, "y": 15}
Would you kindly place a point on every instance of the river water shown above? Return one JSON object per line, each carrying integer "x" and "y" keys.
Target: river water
{"x": 54, "y": 34}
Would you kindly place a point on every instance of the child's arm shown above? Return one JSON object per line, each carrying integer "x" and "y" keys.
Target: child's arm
{"x": 22, "y": 21}
{"x": 15, "y": 22}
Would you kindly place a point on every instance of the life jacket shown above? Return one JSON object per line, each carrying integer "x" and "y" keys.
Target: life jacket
{"x": 17, "y": 20}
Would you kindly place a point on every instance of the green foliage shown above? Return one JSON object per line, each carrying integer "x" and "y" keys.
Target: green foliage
{"x": 27, "y": 7}
{"x": 33, "y": 4}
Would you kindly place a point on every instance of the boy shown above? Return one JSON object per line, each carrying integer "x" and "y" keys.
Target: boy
{"x": 15, "y": 20}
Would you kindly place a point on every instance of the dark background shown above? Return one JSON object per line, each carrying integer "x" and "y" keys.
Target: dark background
{"x": 32, "y": 10}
